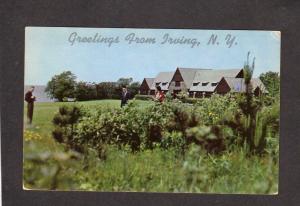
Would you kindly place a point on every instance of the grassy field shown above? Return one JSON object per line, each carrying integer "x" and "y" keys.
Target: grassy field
{"x": 151, "y": 170}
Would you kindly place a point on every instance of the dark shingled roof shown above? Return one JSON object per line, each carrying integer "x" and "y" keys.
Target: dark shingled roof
{"x": 238, "y": 84}
{"x": 211, "y": 78}
{"x": 188, "y": 75}
{"x": 163, "y": 79}
{"x": 149, "y": 81}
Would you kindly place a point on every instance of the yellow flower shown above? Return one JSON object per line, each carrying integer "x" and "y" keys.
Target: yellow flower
{"x": 29, "y": 135}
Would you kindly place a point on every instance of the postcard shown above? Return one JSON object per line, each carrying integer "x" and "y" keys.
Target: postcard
{"x": 151, "y": 110}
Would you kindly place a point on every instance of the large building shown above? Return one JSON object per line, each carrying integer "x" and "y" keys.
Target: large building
{"x": 200, "y": 82}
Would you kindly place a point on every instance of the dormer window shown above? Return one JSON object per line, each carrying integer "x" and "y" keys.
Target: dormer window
{"x": 205, "y": 83}
{"x": 196, "y": 84}
{"x": 164, "y": 83}
{"x": 214, "y": 84}
{"x": 157, "y": 83}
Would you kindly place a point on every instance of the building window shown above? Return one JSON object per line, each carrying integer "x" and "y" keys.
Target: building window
{"x": 204, "y": 83}
{"x": 177, "y": 84}
{"x": 157, "y": 83}
{"x": 164, "y": 83}
{"x": 214, "y": 84}
{"x": 195, "y": 84}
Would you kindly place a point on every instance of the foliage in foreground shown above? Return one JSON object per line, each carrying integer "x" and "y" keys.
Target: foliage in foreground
{"x": 123, "y": 170}
{"x": 215, "y": 124}
{"x": 195, "y": 170}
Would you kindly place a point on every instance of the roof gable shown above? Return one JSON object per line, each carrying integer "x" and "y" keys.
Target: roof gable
{"x": 149, "y": 81}
{"x": 188, "y": 75}
{"x": 163, "y": 80}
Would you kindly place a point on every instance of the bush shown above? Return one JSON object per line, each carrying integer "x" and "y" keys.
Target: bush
{"x": 134, "y": 88}
{"x": 133, "y": 126}
{"x": 210, "y": 138}
{"x": 212, "y": 110}
{"x": 215, "y": 124}
{"x": 143, "y": 97}
{"x": 191, "y": 100}
{"x": 64, "y": 122}
{"x": 49, "y": 169}
{"x": 165, "y": 124}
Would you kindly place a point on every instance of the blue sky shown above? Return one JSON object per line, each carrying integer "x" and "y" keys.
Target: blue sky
{"x": 49, "y": 51}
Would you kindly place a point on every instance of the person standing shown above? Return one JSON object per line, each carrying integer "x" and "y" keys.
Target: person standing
{"x": 125, "y": 96}
{"x": 29, "y": 98}
{"x": 159, "y": 96}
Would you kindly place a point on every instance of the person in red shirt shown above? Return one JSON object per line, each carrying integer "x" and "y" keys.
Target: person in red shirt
{"x": 159, "y": 96}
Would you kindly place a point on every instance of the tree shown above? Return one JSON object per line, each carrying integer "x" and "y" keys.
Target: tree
{"x": 134, "y": 88}
{"x": 249, "y": 123}
{"x": 85, "y": 91}
{"x": 107, "y": 90}
{"x": 64, "y": 122}
{"x": 61, "y": 85}
{"x": 124, "y": 81}
{"x": 271, "y": 81}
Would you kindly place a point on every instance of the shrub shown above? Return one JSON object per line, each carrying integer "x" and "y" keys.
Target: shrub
{"x": 212, "y": 110}
{"x": 182, "y": 95}
{"x": 210, "y": 138}
{"x": 49, "y": 169}
{"x": 191, "y": 100}
{"x": 111, "y": 126}
{"x": 165, "y": 124}
{"x": 216, "y": 124}
{"x": 143, "y": 97}
{"x": 64, "y": 122}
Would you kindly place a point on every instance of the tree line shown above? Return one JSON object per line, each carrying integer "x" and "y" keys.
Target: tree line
{"x": 65, "y": 85}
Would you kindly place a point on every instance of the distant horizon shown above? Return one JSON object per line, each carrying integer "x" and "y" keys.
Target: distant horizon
{"x": 105, "y": 55}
